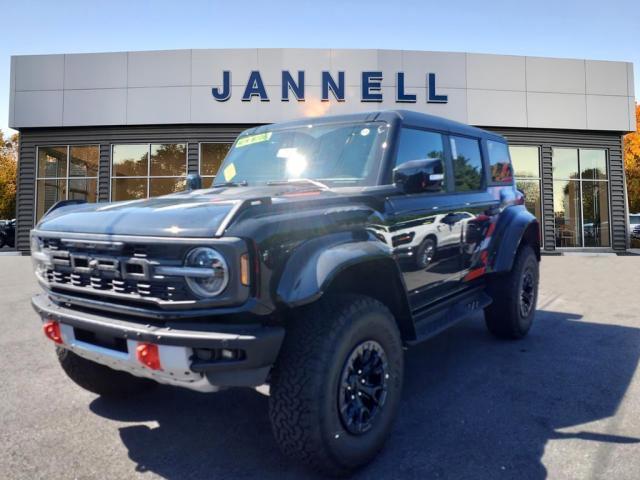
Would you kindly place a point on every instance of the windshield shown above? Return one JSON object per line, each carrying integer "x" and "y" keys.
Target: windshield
{"x": 634, "y": 219}
{"x": 335, "y": 154}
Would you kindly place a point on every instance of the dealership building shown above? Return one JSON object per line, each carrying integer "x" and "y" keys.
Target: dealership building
{"x": 124, "y": 125}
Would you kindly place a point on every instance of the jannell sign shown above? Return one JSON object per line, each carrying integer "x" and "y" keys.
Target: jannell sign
{"x": 371, "y": 88}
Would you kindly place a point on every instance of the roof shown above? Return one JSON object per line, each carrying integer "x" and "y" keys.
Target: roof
{"x": 407, "y": 117}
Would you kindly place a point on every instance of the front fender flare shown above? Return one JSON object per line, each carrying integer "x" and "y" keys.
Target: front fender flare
{"x": 315, "y": 263}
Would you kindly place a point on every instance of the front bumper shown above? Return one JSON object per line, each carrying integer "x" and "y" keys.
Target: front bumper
{"x": 177, "y": 342}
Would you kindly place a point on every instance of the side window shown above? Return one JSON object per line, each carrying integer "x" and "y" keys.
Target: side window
{"x": 467, "y": 163}
{"x": 499, "y": 162}
{"x": 422, "y": 145}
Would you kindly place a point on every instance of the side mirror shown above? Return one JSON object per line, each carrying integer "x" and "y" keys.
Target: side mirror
{"x": 194, "y": 181}
{"x": 417, "y": 176}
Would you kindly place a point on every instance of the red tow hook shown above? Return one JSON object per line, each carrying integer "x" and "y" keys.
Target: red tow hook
{"x": 52, "y": 331}
{"x": 149, "y": 355}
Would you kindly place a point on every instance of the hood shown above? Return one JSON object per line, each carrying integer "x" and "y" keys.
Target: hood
{"x": 199, "y": 213}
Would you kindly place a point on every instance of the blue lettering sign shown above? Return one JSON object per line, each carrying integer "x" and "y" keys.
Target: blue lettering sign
{"x": 432, "y": 96}
{"x": 288, "y": 83}
{"x": 328, "y": 83}
{"x": 401, "y": 96}
{"x": 371, "y": 87}
{"x": 224, "y": 94}
{"x": 255, "y": 87}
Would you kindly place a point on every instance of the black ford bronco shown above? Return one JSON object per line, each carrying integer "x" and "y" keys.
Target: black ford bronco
{"x": 322, "y": 250}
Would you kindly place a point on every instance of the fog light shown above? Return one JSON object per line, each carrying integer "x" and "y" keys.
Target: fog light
{"x": 228, "y": 354}
{"x": 52, "y": 331}
{"x": 148, "y": 354}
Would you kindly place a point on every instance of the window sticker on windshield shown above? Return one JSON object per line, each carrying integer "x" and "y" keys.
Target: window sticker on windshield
{"x": 229, "y": 172}
{"x": 251, "y": 139}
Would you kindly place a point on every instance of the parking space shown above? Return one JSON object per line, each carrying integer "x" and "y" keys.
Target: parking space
{"x": 564, "y": 403}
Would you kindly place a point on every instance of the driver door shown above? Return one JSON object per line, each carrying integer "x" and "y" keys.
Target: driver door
{"x": 424, "y": 227}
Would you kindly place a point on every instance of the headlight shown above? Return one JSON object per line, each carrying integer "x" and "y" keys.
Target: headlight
{"x": 39, "y": 259}
{"x": 215, "y": 273}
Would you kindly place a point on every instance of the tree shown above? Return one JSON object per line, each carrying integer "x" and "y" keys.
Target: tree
{"x": 632, "y": 165}
{"x": 8, "y": 175}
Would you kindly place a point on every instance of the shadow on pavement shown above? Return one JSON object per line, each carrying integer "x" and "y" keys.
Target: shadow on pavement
{"x": 473, "y": 407}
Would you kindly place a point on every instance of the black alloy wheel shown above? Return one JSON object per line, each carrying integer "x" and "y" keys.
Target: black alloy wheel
{"x": 363, "y": 387}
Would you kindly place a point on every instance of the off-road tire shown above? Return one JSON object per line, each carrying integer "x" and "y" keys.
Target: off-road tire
{"x": 420, "y": 263}
{"x": 306, "y": 382}
{"x": 504, "y": 317}
{"x": 100, "y": 379}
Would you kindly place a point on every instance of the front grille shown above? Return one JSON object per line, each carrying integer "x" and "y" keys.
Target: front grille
{"x": 165, "y": 290}
{"x": 115, "y": 272}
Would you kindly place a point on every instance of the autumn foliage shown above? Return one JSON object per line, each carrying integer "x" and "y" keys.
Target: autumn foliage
{"x": 8, "y": 175}
{"x": 632, "y": 165}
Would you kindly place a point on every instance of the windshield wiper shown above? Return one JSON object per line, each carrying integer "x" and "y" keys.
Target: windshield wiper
{"x": 300, "y": 181}
{"x": 243, "y": 183}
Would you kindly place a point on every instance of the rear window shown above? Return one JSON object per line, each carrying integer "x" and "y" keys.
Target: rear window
{"x": 467, "y": 163}
{"x": 501, "y": 170}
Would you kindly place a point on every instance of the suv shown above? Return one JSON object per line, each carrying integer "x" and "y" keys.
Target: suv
{"x": 288, "y": 272}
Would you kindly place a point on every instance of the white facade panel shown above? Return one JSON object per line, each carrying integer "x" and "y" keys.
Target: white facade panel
{"x": 105, "y": 106}
{"x": 630, "y": 80}
{"x": 633, "y": 126}
{"x": 451, "y": 68}
{"x": 556, "y": 110}
{"x": 38, "y": 109}
{"x": 175, "y": 87}
{"x": 207, "y": 65}
{"x": 12, "y": 90}
{"x": 272, "y": 61}
{"x": 602, "y": 109}
{"x": 555, "y": 75}
{"x": 39, "y": 72}
{"x": 607, "y": 78}
{"x": 158, "y": 105}
{"x": 496, "y": 72}
{"x": 203, "y": 109}
{"x": 168, "y": 68}
{"x": 91, "y": 70}
{"x": 491, "y": 108}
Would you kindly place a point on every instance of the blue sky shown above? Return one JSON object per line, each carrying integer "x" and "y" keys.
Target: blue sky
{"x": 574, "y": 29}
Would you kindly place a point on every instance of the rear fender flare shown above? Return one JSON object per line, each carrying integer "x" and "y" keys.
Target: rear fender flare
{"x": 515, "y": 226}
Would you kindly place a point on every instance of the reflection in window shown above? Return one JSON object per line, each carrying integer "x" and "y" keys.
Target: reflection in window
{"x": 418, "y": 145}
{"x": 566, "y": 211}
{"x": 501, "y": 171}
{"x": 526, "y": 166}
{"x": 211, "y": 157}
{"x": 147, "y": 170}
{"x": 66, "y": 172}
{"x": 467, "y": 163}
{"x": 581, "y": 197}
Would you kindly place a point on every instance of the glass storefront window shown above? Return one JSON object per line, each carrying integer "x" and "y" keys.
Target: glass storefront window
{"x": 566, "y": 210}
{"x": 526, "y": 166}
{"x": 565, "y": 164}
{"x": 211, "y": 157}
{"x": 52, "y": 162}
{"x": 65, "y": 173}
{"x": 147, "y": 170}
{"x": 581, "y": 197}
{"x": 168, "y": 159}
{"x": 83, "y": 161}
{"x": 593, "y": 164}
{"x": 526, "y": 161}
{"x": 129, "y": 160}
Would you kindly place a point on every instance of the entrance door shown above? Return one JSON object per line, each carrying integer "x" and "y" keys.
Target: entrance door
{"x": 580, "y": 198}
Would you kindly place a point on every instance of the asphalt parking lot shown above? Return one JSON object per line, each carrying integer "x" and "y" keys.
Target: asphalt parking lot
{"x": 564, "y": 403}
